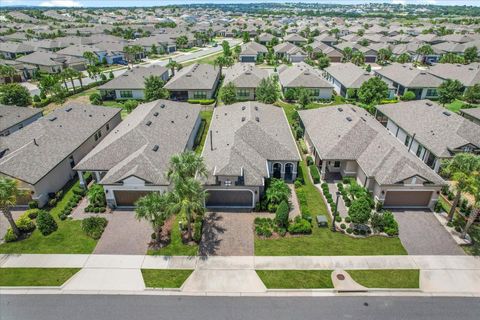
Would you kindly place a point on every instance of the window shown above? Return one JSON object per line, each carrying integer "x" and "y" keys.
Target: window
{"x": 419, "y": 150}
{"x": 228, "y": 183}
{"x": 126, "y": 94}
{"x": 336, "y": 164}
{"x": 98, "y": 135}
{"x": 199, "y": 95}
{"x": 431, "y": 93}
{"x": 72, "y": 161}
{"x": 243, "y": 93}
{"x": 108, "y": 126}
{"x": 315, "y": 92}
{"x": 407, "y": 141}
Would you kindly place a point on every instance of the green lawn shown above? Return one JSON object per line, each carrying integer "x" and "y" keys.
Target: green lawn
{"x": 207, "y": 117}
{"x": 155, "y": 278}
{"x": 206, "y": 59}
{"x": 407, "y": 279}
{"x": 53, "y": 277}
{"x": 322, "y": 241}
{"x": 296, "y": 279}
{"x": 456, "y": 105}
{"x": 176, "y": 246}
{"x": 69, "y": 238}
{"x": 116, "y": 104}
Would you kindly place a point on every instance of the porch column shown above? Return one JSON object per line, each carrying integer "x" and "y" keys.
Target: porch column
{"x": 82, "y": 180}
{"x": 323, "y": 171}
{"x": 97, "y": 176}
{"x": 282, "y": 171}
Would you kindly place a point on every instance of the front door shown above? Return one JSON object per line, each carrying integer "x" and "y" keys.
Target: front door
{"x": 289, "y": 172}
{"x": 277, "y": 170}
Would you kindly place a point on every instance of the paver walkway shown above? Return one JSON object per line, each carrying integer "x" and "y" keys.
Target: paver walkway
{"x": 295, "y": 210}
{"x": 421, "y": 233}
{"x": 124, "y": 235}
{"x": 227, "y": 234}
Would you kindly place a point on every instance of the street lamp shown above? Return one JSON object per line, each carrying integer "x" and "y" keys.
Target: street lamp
{"x": 335, "y": 212}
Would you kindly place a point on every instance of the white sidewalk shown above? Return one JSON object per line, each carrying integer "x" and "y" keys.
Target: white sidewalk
{"x": 236, "y": 275}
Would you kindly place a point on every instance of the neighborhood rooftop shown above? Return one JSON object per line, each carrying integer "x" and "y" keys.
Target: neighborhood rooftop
{"x": 11, "y": 115}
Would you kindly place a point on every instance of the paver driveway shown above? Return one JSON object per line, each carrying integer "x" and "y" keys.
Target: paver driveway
{"x": 422, "y": 234}
{"x": 228, "y": 234}
{"x": 124, "y": 235}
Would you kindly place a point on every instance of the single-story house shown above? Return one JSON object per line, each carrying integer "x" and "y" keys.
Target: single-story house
{"x": 252, "y": 51}
{"x": 196, "y": 81}
{"x": 15, "y": 118}
{"x": 346, "y": 140}
{"x": 11, "y": 50}
{"x": 50, "y": 62}
{"x": 265, "y": 38}
{"x": 302, "y": 75}
{"x": 346, "y": 76}
{"x": 405, "y": 77}
{"x": 472, "y": 114}
{"x": 429, "y": 131}
{"x": 41, "y": 155}
{"x": 111, "y": 55}
{"x": 245, "y": 77}
{"x": 290, "y": 52}
{"x": 248, "y": 143}
{"x": 295, "y": 39}
{"x": 333, "y": 54}
{"x": 19, "y": 75}
{"x": 162, "y": 42}
{"x": 468, "y": 74}
{"x": 131, "y": 83}
{"x": 133, "y": 160}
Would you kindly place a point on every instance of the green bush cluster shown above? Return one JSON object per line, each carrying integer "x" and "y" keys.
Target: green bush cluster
{"x": 315, "y": 174}
{"x": 31, "y": 213}
{"x": 301, "y": 142}
{"x": 197, "y": 228}
{"x": 45, "y": 223}
{"x": 384, "y": 222}
{"x": 93, "y": 209}
{"x": 10, "y": 236}
{"x": 281, "y": 215}
{"x": 94, "y": 226}
{"x": 300, "y": 226}
{"x": 264, "y": 227}
{"x": 309, "y": 160}
{"x": 203, "y": 102}
{"x": 25, "y": 224}
{"x": 360, "y": 211}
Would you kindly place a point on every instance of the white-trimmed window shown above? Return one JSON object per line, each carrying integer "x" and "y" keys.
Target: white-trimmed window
{"x": 199, "y": 95}
{"x": 126, "y": 94}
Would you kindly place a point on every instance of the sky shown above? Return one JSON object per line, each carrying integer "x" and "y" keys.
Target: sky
{"x": 146, "y": 3}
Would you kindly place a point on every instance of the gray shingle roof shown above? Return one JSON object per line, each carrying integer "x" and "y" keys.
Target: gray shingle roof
{"x": 134, "y": 78}
{"x": 44, "y": 58}
{"x": 302, "y": 75}
{"x": 434, "y": 127}
{"x": 128, "y": 149}
{"x": 468, "y": 75}
{"x": 245, "y": 75}
{"x": 195, "y": 76}
{"x": 241, "y": 143}
{"x": 409, "y": 76}
{"x": 473, "y": 112}
{"x": 347, "y": 132}
{"x": 39, "y": 147}
{"x": 348, "y": 74}
{"x": 253, "y": 48}
{"x": 10, "y": 115}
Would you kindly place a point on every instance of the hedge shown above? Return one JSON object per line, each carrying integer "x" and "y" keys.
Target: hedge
{"x": 203, "y": 102}
{"x": 315, "y": 174}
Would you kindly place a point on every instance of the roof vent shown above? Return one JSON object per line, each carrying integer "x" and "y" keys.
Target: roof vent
{"x": 68, "y": 109}
{"x": 423, "y": 73}
{"x": 349, "y": 119}
{"x": 149, "y": 123}
{"x": 363, "y": 119}
{"x": 448, "y": 114}
{"x": 256, "y": 108}
{"x": 155, "y": 114}
{"x": 243, "y": 119}
{"x": 428, "y": 104}
{"x": 162, "y": 106}
{"x": 53, "y": 119}
{"x": 172, "y": 121}
{"x": 243, "y": 107}
{"x": 340, "y": 109}
{"x": 155, "y": 148}
{"x": 257, "y": 119}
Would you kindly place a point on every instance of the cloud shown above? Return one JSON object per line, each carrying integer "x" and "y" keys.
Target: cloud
{"x": 60, "y": 3}
{"x": 399, "y": 2}
{"x": 431, "y": 1}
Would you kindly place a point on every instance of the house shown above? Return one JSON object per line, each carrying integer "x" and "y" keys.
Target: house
{"x": 50, "y": 62}
{"x": 429, "y": 131}
{"x": 162, "y": 42}
{"x": 346, "y": 76}
{"x": 109, "y": 53}
{"x": 346, "y": 140}
{"x": 302, "y": 75}
{"x": 15, "y": 118}
{"x": 196, "y": 81}
{"x": 245, "y": 77}
{"x": 19, "y": 75}
{"x": 12, "y": 50}
{"x": 248, "y": 143}
{"x": 472, "y": 114}
{"x": 404, "y": 77}
{"x": 295, "y": 39}
{"x": 131, "y": 83}
{"x": 468, "y": 74}
{"x": 41, "y": 155}
{"x": 252, "y": 51}
{"x": 265, "y": 38}
{"x": 289, "y": 52}
{"x": 134, "y": 158}
{"x": 333, "y": 54}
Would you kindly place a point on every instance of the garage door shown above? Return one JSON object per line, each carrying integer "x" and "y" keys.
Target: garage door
{"x": 370, "y": 59}
{"x": 407, "y": 198}
{"x": 229, "y": 199}
{"x": 128, "y": 198}
{"x": 248, "y": 59}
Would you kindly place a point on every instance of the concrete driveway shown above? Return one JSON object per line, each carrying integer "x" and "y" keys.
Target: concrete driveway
{"x": 227, "y": 234}
{"x": 422, "y": 234}
{"x": 124, "y": 235}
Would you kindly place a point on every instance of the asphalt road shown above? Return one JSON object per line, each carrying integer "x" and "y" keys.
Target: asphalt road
{"x": 139, "y": 307}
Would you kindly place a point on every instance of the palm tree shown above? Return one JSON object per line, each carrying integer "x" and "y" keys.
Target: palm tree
{"x": 474, "y": 189}
{"x": 223, "y": 61}
{"x": 90, "y": 56}
{"x": 277, "y": 191}
{"x": 459, "y": 169}
{"x": 7, "y": 72}
{"x": 358, "y": 58}
{"x": 188, "y": 198}
{"x": 424, "y": 50}
{"x": 71, "y": 74}
{"x": 186, "y": 165}
{"x": 152, "y": 208}
{"x": 172, "y": 64}
{"x": 347, "y": 54}
{"x": 8, "y": 198}
{"x": 96, "y": 195}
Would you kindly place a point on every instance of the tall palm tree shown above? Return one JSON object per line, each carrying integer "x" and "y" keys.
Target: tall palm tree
{"x": 223, "y": 61}
{"x": 7, "y": 72}
{"x": 8, "y": 198}
{"x": 424, "y": 51}
{"x": 277, "y": 191}
{"x": 347, "y": 54}
{"x": 172, "y": 64}
{"x": 473, "y": 189}
{"x": 186, "y": 165}
{"x": 188, "y": 198}
{"x": 96, "y": 195}
{"x": 358, "y": 58}
{"x": 153, "y": 208}
{"x": 459, "y": 169}
{"x": 90, "y": 56}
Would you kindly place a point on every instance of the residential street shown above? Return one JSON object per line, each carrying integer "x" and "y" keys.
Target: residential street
{"x": 100, "y": 307}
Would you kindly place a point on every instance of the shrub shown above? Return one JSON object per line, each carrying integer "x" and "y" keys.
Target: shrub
{"x": 45, "y": 223}
{"x": 300, "y": 226}
{"x": 10, "y": 236}
{"x": 31, "y": 213}
{"x": 281, "y": 215}
{"x": 78, "y": 191}
{"x": 379, "y": 206}
{"x": 450, "y": 224}
{"x": 438, "y": 207}
{"x": 298, "y": 183}
{"x": 343, "y": 226}
{"x": 377, "y": 222}
{"x": 346, "y": 180}
{"x": 33, "y": 204}
{"x": 130, "y": 105}
{"x": 349, "y": 230}
{"x": 202, "y": 102}
{"x": 408, "y": 96}
{"x": 348, "y": 202}
{"x": 458, "y": 229}
{"x": 360, "y": 211}
{"x": 95, "y": 99}
{"x": 356, "y": 232}
{"x": 62, "y": 216}
{"x": 338, "y": 219}
{"x": 94, "y": 226}
{"x": 390, "y": 225}
{"x": 309, "y": 160}
{"x": 52, "y": 202}
{"x": 348, "y": 220}
{"x": 25, "y": 224}
{"x": 315, "y": 174}
{"x": 197, "y": 232}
